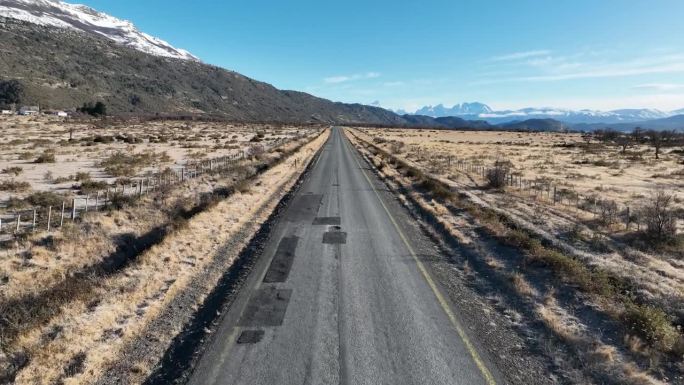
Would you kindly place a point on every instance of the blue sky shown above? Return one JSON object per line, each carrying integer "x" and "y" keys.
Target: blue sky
{"x": 605, "y": 54}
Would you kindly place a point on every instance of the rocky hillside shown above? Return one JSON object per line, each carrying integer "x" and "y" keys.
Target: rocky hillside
{"x": 64, "y": 68}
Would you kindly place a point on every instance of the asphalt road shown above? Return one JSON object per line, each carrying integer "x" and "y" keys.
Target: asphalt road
{"x": 340, "y": 297}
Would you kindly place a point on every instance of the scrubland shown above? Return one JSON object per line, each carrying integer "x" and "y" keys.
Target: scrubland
{"x": 73, "y": 302}
{"x": 584, "y": 273}
{"x": 49, "y": 154}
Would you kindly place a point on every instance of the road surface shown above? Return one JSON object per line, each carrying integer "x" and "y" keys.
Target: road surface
{"x": 339, "y": 296}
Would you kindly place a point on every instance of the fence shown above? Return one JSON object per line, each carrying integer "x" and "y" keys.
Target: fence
{"x": 54, "y": 217}
{"x": 607, "y": 210}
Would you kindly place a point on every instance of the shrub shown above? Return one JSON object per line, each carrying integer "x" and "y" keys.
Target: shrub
{"x": 45, "y": 199}
{"x": 437, "y": 189}
{"x": 653, "y": 325}
{"x": 14, "y": 186}
{"x": 46, "y": 157}
{"x": 122, "y": 164}
{"x": 82, "y": 176}
{"x": 255, "y": 150}
{"x": 13, "y": 170}
{"x": 119, "y": 201}
{"x": 660, "y": 218}
{"x": 496, "y": 176}
{"x": 608, "y": 211}
{"x": 88, "y": 186}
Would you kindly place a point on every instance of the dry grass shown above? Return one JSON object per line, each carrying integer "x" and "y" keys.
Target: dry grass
{"x": 605, "y": 287}
{"x": 92, "y": 333}
{"x": 33, "y": 147}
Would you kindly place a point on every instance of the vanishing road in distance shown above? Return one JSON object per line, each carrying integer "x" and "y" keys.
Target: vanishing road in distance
{"x": 340, "y": 296}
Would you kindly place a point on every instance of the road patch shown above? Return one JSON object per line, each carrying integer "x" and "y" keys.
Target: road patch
{"x": 335, "y": 236}
{"x": 266, "y": 308}
{"x": 323, "y": 221}
{"x": 304, "y": 207}
{"x": 282, "y": 260}
{"x": 250, "y": 337}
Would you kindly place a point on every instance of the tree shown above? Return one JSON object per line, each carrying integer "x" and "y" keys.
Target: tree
{"x": 607, "y": 135}
{"x": 623, "y": 141}
{"x": 638, "y": 135}
{"x": 656, "y": 139}
{"x": 11, "y": 92}
{"x": 99, "y": 109}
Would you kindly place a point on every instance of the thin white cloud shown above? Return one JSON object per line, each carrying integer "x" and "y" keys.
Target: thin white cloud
{"x": 659, "y": 87}
{"x": 393, "y": 84}
{"x": 348, "y": 78}
{"x": 557, "y": 69}
{"x": 521, "y": 55}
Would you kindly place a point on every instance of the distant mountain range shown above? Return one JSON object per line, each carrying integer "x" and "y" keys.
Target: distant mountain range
{"x": 571, "y": 118}
{"x": 63, "y": 55}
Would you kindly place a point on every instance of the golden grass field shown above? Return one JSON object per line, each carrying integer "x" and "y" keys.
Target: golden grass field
{"x": 66, "y": 317}
{"x": 567, "y": 265}
{"x": 604, "y": 170}
{"x": 169, "y": 143}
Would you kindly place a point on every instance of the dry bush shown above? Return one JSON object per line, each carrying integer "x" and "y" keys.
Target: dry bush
{"x": 14, "y": 185}
{"x": 46, "y": 157}
{"x": 608, "y": 211}
{"x": 659, "y": 217}
{"x": 13, "y": 170}
{"x": 496, "y": 176}
{"x": 396, "y": 147}
{"x": 122, "y": 164}
{"x": 45, "y": 199}
{"x": 653, "y": 325}
{"x": 255, "y": 150}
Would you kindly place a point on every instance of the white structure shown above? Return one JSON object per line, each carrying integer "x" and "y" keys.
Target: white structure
{"x": 7, "y": 112}
{"x": 61, "y": 114}
{"x": 29, "y": 110}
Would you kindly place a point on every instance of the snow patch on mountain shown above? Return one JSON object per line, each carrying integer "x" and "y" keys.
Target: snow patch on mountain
{"x": 59, "y": 14}
{"x": 475, "y": 111}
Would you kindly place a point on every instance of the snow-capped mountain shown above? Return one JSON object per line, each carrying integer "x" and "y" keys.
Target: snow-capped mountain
{"x": 479, "y": 111}
{"x": 82, "y": 18}
{"x": 457, "y": 110}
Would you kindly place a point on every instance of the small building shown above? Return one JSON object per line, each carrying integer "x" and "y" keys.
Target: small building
{"x": 29, "y": 110}
{"x": 61, "y": 114}
{"x": 7, "y": 112}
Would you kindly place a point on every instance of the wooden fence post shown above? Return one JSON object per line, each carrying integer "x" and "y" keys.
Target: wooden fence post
{"x": 18, "y": 222}
{"x": 86, "y": 199}
{"x": 49, "y": 218}
{"x": 73, "y": 210}
{"x": 61, "y": 218}
{"x": 33, "y": 228}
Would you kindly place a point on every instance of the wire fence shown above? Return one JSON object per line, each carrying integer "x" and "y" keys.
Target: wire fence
{"x": 53, "y": 218}
{"x": 608, "y": 211}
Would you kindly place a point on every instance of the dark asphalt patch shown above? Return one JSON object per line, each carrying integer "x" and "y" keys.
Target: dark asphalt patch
{"x": 327, "y": 221}
{"x": 304, "y": 207}
{"x": 282, "y": 260}
{"x": 250, "y": 337}
{"x": 266, "y": 308}
{"x": 335, "y": 237}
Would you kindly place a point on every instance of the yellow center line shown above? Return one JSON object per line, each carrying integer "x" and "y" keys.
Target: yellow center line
{"x": 489, "y": 378}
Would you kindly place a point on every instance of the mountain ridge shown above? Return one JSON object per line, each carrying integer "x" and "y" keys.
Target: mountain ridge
{"x": 62, "y": 68}
{"x": 88, "y": 20}
{"x": 481, "y": 111}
